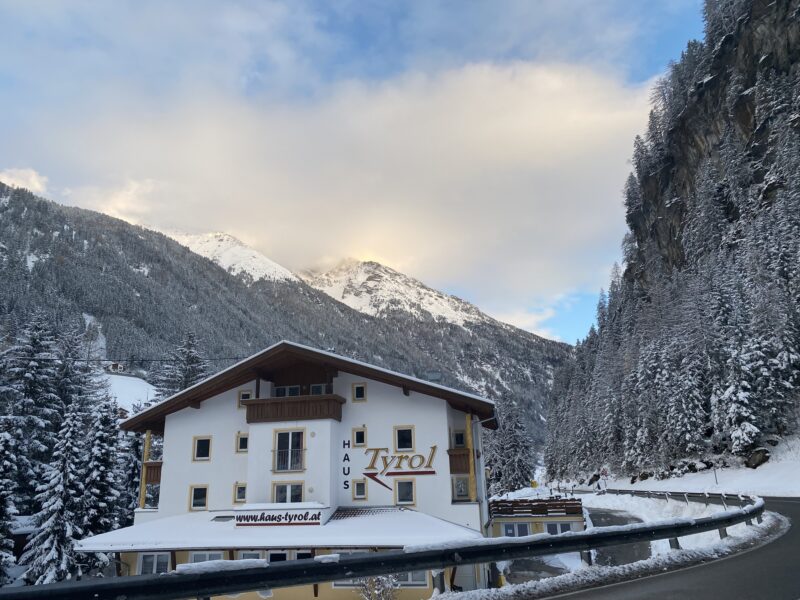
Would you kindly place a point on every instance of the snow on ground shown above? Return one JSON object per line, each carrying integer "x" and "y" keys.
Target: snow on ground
{"x": 778, "y": 477}
{"x": 773, "y": 526}
{"x": 129, "y": 390}
{"x": 95, "y": 330}
{"x": 650, "y": 510}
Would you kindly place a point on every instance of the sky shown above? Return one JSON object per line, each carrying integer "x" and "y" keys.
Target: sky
{"x": 480, "y": 146}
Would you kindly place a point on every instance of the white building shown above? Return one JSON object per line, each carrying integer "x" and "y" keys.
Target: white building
{"x": 295, "y": 452}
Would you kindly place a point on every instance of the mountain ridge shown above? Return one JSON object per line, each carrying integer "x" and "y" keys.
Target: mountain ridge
{"x": 146, "y": 290}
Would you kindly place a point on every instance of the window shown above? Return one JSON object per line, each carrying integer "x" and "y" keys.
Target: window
{"x": 556, "y": 528}
{"x": 289, "y": 450}
{"x": 249, "y": 554}
{"x": 404, "y": 491}
{"x": 459, "y": 439}
{"x": 404, "y": 438}
{"x": 151, "y": 564}
{"x": 202, "y": 448}
{"x": 412, "y": 579}
{"x": 460, "y": 488}
{"x": 316, "y": 389}
{"x": 244, "y": 395}
{"x": 359, "y": 392}
{"x": 277, "y": 556}
{"x": 359, "y": 487}
{"x": 516, "y": 529}
{"x": 359, "y": 436}
{"x": 287, "y": 492}
{"x": 242, "y": 440}
{"x": 303, "y": 554}
{"x": 198, "y": 497}
{"x": 204, "y": 556}
{"x": 239, "y": 493}
{"x": 282, "y": 391}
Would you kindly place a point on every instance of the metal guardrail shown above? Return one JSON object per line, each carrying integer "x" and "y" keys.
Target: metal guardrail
{"x": 175, "y": 586}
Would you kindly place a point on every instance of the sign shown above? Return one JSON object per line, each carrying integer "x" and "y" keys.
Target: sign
{"x": 382, "y": 462}
{"x": 273, "y": 518}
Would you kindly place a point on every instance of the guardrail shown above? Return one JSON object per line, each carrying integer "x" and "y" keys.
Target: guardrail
{"x": 175, "y": 586}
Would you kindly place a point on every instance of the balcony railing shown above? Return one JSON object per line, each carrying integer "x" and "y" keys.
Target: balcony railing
{"x": 289, "y": 460}
{"x": 294, "y": 408}
{"x": 152, "y": 472}
{"x": 459, "y": 460}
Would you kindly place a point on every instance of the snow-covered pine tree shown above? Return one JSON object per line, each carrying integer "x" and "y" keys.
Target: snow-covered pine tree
{"x": 381, "y": 587}
{"x": 182, "y": 368}
{"x": 129, "y": 473}
{"x": 511, "y": 464}
{"x": 100, "y": 480}
{"x": 28, "y": 368}
{"x": 50, "y": 550}
{"x": 8, "y": 468}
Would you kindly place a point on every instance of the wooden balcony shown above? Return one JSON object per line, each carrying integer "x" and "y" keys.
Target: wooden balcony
{"x": 294, "y": 408}
{"x": 459, "y": 461}
{"x": 152, "y": 472}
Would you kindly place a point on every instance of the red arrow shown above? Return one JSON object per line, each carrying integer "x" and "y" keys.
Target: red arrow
{"x": 374, "y": 477}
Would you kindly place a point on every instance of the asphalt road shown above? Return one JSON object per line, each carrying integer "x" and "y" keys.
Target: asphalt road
{"x": 771, "y": 572}
{"x": 624, "y": 553}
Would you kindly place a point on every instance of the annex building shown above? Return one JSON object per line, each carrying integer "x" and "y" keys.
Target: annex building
{"x": 296, "y": 452}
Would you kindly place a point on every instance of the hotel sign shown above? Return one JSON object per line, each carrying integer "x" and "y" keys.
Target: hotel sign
{"x": 384, "y": 463}
{"x": 273, "y": 518}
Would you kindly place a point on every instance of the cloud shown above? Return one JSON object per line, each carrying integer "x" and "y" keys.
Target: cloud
{"x": 484, "y": 154}
{"x": 25, "y": 178}
{"x": 509, "y": 170}
{"x": 531, "y": 320}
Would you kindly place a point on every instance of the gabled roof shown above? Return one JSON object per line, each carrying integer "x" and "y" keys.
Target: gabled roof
{"x": 285, "y": 352}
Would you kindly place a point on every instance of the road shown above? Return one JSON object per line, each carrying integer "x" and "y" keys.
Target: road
{"x": 771, "y": 572}
{"x": 624, "y": 553}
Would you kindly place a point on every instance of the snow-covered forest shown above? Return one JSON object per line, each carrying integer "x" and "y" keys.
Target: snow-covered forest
{"x": 65, "y": 463}
{"x": 697, "y": 345}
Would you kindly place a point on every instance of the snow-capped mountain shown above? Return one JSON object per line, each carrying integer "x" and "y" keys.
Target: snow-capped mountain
{"x": 378, "y": 290}
{"x": 233, "y": 255}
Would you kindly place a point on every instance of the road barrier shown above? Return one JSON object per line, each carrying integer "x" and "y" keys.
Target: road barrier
{"x": 174, "y": 586}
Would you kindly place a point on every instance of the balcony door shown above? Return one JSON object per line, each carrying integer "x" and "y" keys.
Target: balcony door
{"x": 289, "y": 453}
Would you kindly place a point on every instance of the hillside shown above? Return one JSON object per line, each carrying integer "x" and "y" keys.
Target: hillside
{"x": 145, "y": 290}
{"x": 697, "y": 349}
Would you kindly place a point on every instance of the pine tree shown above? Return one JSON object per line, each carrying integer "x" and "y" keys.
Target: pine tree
{"x": 129, "y": 472}
{"x": 8, "y": 467}
{"x": 382, "y": 587}
{"x": 50, "y": 550}
{"x": 100, "y": 480}
{"x": 33, "y": 407}
{"x": 511, "y": 464}
{"x": 182, "y": 368}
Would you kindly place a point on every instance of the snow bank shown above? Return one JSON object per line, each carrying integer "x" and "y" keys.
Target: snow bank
{"x": 652, "y": 511}
{"x": 778, "y": 477}
{"x": 214, "y": 566}
{"x": 774, "y": 525}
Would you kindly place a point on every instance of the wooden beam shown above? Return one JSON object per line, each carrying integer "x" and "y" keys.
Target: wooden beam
{"x": 142, "y": 480}
{"x": 406, "y": 391}
{"x": 473, "y": 485}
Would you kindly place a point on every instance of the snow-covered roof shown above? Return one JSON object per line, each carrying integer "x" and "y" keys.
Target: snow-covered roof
{"x": 384, "y": 527}
{"x": 245, "y": 371}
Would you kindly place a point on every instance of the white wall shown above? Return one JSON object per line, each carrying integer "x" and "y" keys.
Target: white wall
{"x": 385, "y": 407}
{"x": 220, "y": 418}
